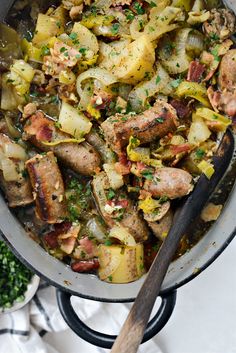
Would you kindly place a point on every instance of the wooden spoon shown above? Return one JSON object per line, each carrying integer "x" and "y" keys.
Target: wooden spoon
{"x": 133, "y": 329}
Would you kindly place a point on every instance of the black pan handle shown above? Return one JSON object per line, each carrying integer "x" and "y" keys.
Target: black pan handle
{"x": 106, "y": 341}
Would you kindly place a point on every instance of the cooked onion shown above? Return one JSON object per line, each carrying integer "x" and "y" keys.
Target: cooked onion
{"x": 160, "y": 83}
{"x": 179, "y": 61}
{"x": 115, "y": 179}
{"x": 195, "y": 43}
{"x": 12, "y": 150}
{"x": 98, "y": 73}
{"x": 122, "y": 234}
{"x": 9, "y": 169}
{"x": 96, "y": 229}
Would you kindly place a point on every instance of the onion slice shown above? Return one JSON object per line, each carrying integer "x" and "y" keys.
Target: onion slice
{"x": 97, "y": 73}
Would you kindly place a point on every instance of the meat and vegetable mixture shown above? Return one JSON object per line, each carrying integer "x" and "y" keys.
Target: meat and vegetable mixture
{"x": 110, "y": 111}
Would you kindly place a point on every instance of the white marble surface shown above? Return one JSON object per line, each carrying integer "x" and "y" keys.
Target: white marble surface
{"x": 203, "y": 320}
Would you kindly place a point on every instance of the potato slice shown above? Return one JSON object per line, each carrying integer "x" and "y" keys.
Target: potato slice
{"x": 46, "y": 28}
{"x": 121, "y": 264}
{"x": 73, "y": 122}
{"x": 139, "y": 61}
{"x": 85, "y": 38}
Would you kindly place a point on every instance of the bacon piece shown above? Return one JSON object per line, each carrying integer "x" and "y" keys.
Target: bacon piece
{"x": 82, "y": 158}
{"x": 68, "y": 244}
{"x": 48, "y": 186}
{"x": 195, "y": 71}
{"x": 185, "y": 147}
{"x": 150, "y": 125}
{"x": 124, "y": 165}
{"x": 51, "y": 240}
{"x": 86, "y": 250}
{"x": 182, "y": 108}
{"x": 85, "y": 266}
{"x": 101, "y": 99}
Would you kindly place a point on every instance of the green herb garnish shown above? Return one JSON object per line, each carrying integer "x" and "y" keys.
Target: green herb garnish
{"x": 111, "y": 194}
{"x": 14, "y": 278}
{"x": 138, "y": 7}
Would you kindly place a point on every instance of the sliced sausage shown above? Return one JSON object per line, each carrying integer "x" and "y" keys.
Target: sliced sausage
{"x": 154, "y": 123}
{"x": 131, "y": 218}
{"x": 82, "y": 158}
{"x": 169, "y": 182}
{"x": 161, "y": 228}
{"x": 18, "y": 193}
{"x": 48, "y": 186}
{"x": 227, "y": 71}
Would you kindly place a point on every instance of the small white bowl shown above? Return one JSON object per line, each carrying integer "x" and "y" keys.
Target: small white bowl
{"x": 30, "y": 292}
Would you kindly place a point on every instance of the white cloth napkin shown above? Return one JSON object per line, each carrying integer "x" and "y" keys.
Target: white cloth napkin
{"x": 22, "y": 331}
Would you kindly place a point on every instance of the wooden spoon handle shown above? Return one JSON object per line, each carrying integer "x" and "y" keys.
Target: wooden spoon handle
{"x": 133, "y": 329}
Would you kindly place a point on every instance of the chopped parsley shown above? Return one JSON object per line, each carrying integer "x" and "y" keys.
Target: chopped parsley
{"x": 82, "y": 50}
{"x": 108, "y": 242}
{"x": 73, "y": 36}
{"x": 78, "y": 196}
{"x": 45, "y": 50}
{"x": 214, "y": 36}
{"x": 153, "y": 4}
{"x": 158, "y": 79}
{"x": 160, "y": 120}
{"x": 14, "y": 278}
{"x": 57, "y": 124}
{"x": 147, "y": 174}
{"x": 200, "y": 153}
{"x": 129, "y": 15}
{"x": 115, "y": 28}
{"x": 63, "y": 50}
{"x": 176, "y": 83}
{"x": 138, "y": 8}
{"x": 111, "y": 194}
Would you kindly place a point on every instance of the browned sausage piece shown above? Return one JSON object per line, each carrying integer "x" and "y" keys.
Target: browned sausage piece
{"x": 82, "y": 158}
{"x": 154, "y": 123}
{"x": 18, "y": 193}
{"x": 48, "y": 186}
{"x": 169, "y": 182}
{"x": 227, "y": 71}
{"x": 131, "y": 218}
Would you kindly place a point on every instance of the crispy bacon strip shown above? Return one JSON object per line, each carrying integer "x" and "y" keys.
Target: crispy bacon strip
{"x": 195, "y": 71}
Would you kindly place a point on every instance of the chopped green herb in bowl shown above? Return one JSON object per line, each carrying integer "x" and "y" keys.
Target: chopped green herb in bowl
{"x": 17, "y": 283}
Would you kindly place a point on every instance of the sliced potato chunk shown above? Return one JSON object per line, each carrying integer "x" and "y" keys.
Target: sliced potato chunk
{"x": 85, "y": 38}
{"x": 73, "y": 122}
{"x": 46, "y": 28}
{"x": 119, "y": 264}
{"x": 140, "y": 59}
